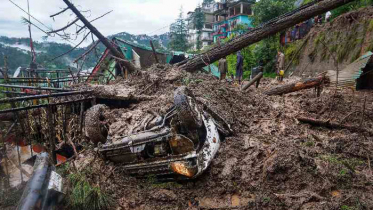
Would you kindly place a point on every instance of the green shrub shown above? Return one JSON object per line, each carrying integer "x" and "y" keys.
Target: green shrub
{"x": 85, "y": 196}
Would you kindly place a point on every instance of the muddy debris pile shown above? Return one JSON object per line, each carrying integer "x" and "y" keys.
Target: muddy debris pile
{"x": 272, "y": 161}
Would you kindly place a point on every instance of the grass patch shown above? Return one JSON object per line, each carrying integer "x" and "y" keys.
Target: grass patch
{"x": 345, "y": 207}
{"x": 10, "y": 197}
{"x": 370, "y": 26}
{"x": 63, "y": 170}
{"x": 355, "y": 56}
{"x": 370, "y": 47}
{"x": 291, "y": 50}
{"x": 4, "y": 106}
{"x": 320, "y": 38}
{"x": 350, "y": 163}
{"x": 344, "y": 49}
{"x": 85, "y": 196}
{"x": 269, "y": 75}
{"x": 309, "y": 144}
{"x": 266, "y": 200}
{"x": 153, "y": 182}
{"x": 336, "y": 35}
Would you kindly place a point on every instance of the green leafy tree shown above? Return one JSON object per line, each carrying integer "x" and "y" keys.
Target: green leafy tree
{"x": 179, "y": 34}
{"x": 198, "y": 21}
{"x": 207, "y": 2}
{"x": 266, "y": 49}
{"x": 350, "y": 6}
{"x": 266, "y": 10}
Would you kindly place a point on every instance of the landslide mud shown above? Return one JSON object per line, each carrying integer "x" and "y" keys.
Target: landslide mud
{"x": 271, "y": 162}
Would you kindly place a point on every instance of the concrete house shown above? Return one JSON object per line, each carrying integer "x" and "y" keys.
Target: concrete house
{"x": 229, "y": 14}
{"x": 206, "y": 36}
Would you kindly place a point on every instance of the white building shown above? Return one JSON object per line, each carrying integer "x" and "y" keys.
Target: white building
{"x": 206, "y": 36}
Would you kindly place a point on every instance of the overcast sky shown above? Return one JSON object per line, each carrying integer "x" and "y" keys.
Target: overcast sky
{"x": 132, "y": 16}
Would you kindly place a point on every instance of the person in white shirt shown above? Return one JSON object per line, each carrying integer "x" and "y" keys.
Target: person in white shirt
{"x": 328, "y": 16}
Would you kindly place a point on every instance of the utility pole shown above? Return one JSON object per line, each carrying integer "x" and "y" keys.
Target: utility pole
{"x": 33, "y": 54}
{"x": 128, "y": 65}
{"x": 154, "y": 52}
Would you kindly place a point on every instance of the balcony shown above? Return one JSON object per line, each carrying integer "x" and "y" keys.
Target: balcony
{"x": 207, "y": 38}
{"x": 219, "y": 33}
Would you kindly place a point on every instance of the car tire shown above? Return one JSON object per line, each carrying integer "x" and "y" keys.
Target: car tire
{"x": 186, "y": 106}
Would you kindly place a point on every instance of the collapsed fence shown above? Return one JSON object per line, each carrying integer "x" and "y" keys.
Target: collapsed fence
{"x": 51, "y": 120}
{"x": 56, "y": 78}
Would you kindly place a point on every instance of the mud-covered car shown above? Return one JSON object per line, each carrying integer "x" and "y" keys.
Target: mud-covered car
{"x": 181, "y": 144}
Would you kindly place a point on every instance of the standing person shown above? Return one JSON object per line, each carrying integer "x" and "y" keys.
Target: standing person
{"x": 239, "y": 67}
{"x": 255, "y": 71}
{"x": 328, "y": 16}
{"x": 319, "y": 18}
{"x": 223, "y": 68}
{"x": 280, "y": 65}
{"x": 297, "y": 35}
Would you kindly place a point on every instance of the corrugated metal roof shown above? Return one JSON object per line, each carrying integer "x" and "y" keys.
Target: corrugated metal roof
{"x": 352, "y": 72}
{"x": 144, "y": 47}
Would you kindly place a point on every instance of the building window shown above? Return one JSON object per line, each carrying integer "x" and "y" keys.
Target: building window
{"x": 208, "y": 26}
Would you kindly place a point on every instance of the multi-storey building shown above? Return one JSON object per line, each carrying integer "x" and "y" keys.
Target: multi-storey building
{"x": 230, "y": 13}
{"x": 206, "y": 36}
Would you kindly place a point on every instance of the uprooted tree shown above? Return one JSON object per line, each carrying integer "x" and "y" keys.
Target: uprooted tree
{"x": 270, "y": 28}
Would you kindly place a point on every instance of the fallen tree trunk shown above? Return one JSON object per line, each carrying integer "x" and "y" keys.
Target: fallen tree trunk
{"x": 331, "y": 125}
{"x": 293, "y": 87}
{"x": 256, "y": 78}
{"x": 260, "y": 33}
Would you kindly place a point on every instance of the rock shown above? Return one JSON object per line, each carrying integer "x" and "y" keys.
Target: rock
{"x": 164, "y": 195}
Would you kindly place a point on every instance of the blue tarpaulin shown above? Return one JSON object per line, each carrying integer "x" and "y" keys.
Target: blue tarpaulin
{"x": 214, "y": 70}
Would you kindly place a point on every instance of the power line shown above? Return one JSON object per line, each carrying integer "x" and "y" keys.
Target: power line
{"x": 30, "y": 15}
{"x": 159, "y": 29}
{"x": 61, "y": 36}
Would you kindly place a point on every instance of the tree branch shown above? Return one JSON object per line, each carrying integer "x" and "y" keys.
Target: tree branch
{"x": 72, "y": 48}
{"x": 64, "y": 10}
{"x": 88, "y": 51}
{"x": 62, "y": 29}
{"x": 93, "y": 21}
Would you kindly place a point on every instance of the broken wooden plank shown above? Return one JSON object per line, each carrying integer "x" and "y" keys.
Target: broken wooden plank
{"x": 297, "y": 86}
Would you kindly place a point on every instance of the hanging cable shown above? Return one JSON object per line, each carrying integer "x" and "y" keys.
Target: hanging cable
{"x": 30, "y": 15}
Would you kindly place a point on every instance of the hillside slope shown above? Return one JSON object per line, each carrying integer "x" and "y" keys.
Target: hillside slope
{"x": 18, "y": 51}
{"x": 344, "y": 40}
